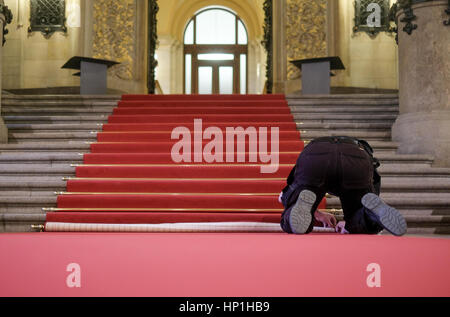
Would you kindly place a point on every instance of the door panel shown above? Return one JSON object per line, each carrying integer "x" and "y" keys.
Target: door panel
{"x": 205, "y": 80}
{"x": 215, "y": 72}
{"x": 226, "y": 80}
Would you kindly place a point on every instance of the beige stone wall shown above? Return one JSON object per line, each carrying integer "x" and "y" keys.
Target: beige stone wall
{"x": 31, "y": 60}
{"x": 370, "y": 62}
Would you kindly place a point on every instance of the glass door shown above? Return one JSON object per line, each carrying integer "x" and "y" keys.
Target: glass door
{"x": 215, "y": 50}
{"x": 216, "y": 77}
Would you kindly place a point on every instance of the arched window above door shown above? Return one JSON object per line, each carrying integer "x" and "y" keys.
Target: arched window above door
{"x": 215, "y": 48}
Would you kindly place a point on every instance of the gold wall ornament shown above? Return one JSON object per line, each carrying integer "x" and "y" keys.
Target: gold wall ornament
{"x": 114, "y": 35}
{"x": 305, "y": 32}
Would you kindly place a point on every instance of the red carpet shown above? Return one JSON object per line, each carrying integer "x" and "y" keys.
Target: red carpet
{"x": 131, "y": 177}
{"x": 222, "y": 265}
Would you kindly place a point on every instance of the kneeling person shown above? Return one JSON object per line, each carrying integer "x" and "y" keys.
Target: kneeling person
{"x": 344, "y": 167}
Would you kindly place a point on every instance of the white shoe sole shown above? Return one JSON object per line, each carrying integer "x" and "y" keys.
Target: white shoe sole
{"x": 300, "y": 218}
{"x": 390, "y": 218}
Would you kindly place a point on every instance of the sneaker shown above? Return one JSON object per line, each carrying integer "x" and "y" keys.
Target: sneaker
{"x": 388, "y": 217}
{"x": 301, "y": 218}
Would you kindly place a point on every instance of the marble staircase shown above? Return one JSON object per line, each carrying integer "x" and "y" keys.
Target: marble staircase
{"x": 49, "y": 133}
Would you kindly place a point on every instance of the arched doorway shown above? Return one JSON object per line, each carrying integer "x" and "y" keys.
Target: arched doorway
{"x": 215, "y": 53}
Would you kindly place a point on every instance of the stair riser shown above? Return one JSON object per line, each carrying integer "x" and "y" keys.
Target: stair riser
{"x": 53, "y": 127}
{"x": 344, "y": 109}
{"x": 29, "y": 192}
{"x": 55, "y": 111}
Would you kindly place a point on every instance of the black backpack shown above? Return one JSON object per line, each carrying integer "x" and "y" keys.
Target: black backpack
{"x": 376, "y": 164}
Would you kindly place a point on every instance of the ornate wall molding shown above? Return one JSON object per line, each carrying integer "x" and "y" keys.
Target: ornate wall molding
{"x": 47, "y": 16}
{"x": 447, "y": 22}
{"x": 267, "y": 43}
{"x": 306, "y": 24}
{"x": 153, "y": 9}
{"x": 409, "y": 16}
{"x": 114, "y": 35}
{"x": 393, "y": 19}
{"x": 8, "y": 19}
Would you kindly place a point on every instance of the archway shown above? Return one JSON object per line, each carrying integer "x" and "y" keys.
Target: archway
{"x": 215, "y": 53}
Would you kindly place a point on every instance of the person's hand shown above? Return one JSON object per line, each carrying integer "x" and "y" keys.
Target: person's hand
{"x": 328, "y": 220}
{"x": 340, "y": 228}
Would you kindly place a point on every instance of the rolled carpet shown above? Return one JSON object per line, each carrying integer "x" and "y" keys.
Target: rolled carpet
{"x": 172, "y": 227}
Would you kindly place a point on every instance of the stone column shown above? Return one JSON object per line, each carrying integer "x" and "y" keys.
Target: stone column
{"x": 5, "y": 18}
{"x": 279, "y": 46}
{"x": 423, "y": 126}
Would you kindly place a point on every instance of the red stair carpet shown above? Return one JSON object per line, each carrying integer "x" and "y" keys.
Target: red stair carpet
{"x": 131, "y": 182}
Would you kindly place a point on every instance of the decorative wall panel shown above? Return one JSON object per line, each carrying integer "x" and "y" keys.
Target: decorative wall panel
{"x": 305, "y": 32}
{"x": 114, "y": 35}
{"x": 47, "y": 16}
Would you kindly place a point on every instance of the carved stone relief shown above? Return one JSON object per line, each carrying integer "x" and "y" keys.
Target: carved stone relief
{"x": 114, "y": 35}
{"x": 305, "y": 32}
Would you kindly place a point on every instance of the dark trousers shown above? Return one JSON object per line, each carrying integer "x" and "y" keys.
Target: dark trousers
{"x": 341, "y": 169}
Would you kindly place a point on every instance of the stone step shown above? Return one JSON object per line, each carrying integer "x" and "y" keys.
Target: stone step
{"x": 343, "y": 97}
{"x": 309, "y": 125}
{"x": 29, "y": 192}
{"x": 429, "y": 182}
{"x": 55, "y": 111}
{"x": 339, "y": 117}
{"x": 20, "y": 222}
{"x": 15, "y": 157}
{"x": 55, "y": 119}
{"x": 55, "y": 135}
{"x": 59, "y": 169}
{"x": 31, "y": 182}
{"x": 13, "y": 127}
{"x": 299, "y": 118}
{"x": 317, "y": 125}
{"x": 383, "y": 145}
{"x": 14, "y": 186}
{"x": 385, "y": 158}
{"x": 60, "y": 98}
{"x": 344, "y": 109}
{"x": 408, "y": 200}
{"x": 46, "y": 146}
{"x": 410, "y": 184}
{"x": 350, "y": 103}
{"x": 308, "y": 135}
{"x": 412, "y": 170}
{"x": 21, "y": 201}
